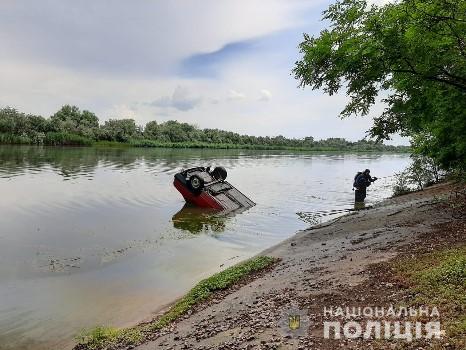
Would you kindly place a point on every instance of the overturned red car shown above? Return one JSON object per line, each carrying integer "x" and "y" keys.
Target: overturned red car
{"x": 208, "y": 189}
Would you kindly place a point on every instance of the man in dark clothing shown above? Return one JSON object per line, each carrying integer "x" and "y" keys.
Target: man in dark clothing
{"x": 361, "y": 182}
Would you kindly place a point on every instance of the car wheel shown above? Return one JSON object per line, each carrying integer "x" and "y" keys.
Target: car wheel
{"x": 196, "y": 184}
{"x": 219, "y": 173}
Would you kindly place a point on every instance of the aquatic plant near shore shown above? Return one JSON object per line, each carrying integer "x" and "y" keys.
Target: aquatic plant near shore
{"x": 48, "y": 139}
{"x": 66, "y": 139}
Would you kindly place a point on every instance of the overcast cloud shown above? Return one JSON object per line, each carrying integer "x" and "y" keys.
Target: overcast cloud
{"x": 223, "y": 64}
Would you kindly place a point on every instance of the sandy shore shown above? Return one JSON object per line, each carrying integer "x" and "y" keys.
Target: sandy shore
{"x": 329, "y": 259}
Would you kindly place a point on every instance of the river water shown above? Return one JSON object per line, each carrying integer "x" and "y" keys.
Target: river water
{"x": 92, "y": 236}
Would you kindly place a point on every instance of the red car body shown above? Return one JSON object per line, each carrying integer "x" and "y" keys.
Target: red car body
{"x": 206, "y": 189}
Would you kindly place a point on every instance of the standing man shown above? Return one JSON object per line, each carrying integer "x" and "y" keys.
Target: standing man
{"x": 361, "y": 182}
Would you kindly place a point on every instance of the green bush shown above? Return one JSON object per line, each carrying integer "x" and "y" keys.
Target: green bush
{"x": 65, "y": 139}
{"x": 14, "y": 139}
{"x": 401, "y": 185}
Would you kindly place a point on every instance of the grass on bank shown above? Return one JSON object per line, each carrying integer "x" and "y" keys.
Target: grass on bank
{"x": 317, "y": 148}
{"x": 48, "y": 139}
{"x": 104, "y": 337}
{"x": 68, "y": 139}
{"x": 439, "y": 279}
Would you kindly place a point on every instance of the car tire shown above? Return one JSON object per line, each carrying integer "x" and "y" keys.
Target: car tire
{"x": 196, "y": 184}
{"x": 219, "y": 173}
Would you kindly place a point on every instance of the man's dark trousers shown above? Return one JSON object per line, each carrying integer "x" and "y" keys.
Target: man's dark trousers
{"x": 360, "y": 194}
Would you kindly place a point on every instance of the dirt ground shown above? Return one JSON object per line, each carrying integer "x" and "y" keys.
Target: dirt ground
{"x": 334, "y": 264}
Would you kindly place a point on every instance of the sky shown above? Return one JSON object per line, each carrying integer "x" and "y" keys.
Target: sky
{"x": 213, "y": 63}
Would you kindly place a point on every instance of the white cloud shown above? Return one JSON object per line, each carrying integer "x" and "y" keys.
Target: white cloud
{"x": 180, "y": 100}
{"x": 234, "y": 95}
{"x": 145, "y": 38}
{"x": 265, "y": 95}
{"x": 121, "y": 111}
{"x": 114, "y": 60}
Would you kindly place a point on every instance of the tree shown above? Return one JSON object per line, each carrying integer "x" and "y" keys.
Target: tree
{"x": 151, "y": 130}
{"x": 411, "y": 51}
{"x": 11, "y": 121}
{"x": 71, "y": 120}
{"x": 417, "y": 173}
{"x": 70, "y": 126}
{"x": 20, "y": 124}
{"x": 37, "y": 123}
{"x": 174, "y": 131}
{"x": 121, "y": 130}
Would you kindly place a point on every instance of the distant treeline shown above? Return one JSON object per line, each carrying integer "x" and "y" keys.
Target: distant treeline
{"x": 71, "y": 126}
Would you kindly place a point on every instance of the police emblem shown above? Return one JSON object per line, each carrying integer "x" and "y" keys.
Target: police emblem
{"x": 294, "y": 322}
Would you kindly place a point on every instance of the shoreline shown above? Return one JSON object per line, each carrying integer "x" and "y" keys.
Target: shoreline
{"x": 344, "y": 248}
{"x": 214, "y": 146}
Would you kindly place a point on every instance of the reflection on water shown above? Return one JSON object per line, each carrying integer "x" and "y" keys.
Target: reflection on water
{"x": 100, "y": 236}
{"x": 197, "y": 220}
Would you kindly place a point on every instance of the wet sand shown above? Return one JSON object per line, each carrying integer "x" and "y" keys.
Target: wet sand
{"x": 324, "y": 260}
